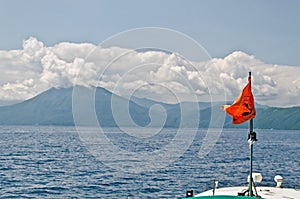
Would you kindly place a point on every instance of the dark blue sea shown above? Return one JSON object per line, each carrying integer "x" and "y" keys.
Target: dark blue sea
{"x": 54, "y": 162}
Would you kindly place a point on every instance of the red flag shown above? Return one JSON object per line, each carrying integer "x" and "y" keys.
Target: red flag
{"x": 242, "y": 108}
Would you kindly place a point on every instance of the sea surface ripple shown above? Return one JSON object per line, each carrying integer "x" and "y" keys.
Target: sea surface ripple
{"x": 52, "y": 162}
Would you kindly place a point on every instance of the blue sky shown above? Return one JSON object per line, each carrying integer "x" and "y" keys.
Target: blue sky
{"x": 47, "y": 43}
{"x": 267, "y": 29}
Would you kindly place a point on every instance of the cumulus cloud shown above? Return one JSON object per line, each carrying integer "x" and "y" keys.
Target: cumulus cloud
{"x": 154, "y": 74}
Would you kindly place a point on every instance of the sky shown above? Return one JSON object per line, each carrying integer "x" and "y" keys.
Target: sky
{"x": 44, "y": 43}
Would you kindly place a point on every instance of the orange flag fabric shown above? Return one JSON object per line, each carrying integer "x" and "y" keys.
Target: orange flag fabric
{"x": 242, "y": 108}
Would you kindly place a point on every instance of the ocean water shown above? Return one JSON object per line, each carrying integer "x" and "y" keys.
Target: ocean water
{"x": 53, "y": 162}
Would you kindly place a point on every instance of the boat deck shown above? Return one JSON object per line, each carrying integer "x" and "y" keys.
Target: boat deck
{"x": 264, "y": 192}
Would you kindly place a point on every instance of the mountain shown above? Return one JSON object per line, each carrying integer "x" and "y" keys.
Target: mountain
{"x": 54, "y": 107}
{"x": 266, "y": 118}
{"x": 279, "y": 118}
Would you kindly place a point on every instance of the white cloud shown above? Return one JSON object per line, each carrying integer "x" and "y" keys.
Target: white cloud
{"x": 155, "y": 74}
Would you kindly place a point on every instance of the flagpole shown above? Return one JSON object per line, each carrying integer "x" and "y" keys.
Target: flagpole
{"x": 251, "y": 140}
{"x": 251, "y": 160}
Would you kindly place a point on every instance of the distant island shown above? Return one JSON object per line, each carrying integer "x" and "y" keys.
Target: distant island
{"x": 54, "y": 107}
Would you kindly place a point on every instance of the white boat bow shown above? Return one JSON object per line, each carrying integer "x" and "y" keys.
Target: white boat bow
{"x": 264, "y": 192}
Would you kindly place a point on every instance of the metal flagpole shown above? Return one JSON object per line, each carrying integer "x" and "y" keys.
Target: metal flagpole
{"x": 251, "y": 140}
{"x": 251, "y": 155}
